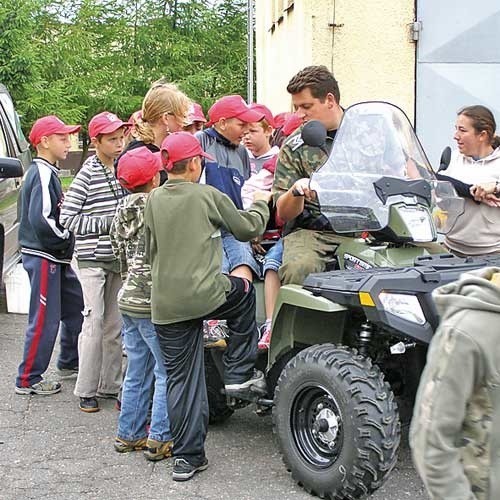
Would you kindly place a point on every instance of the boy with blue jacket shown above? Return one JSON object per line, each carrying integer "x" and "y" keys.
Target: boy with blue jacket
{"x": 47, "y": 248}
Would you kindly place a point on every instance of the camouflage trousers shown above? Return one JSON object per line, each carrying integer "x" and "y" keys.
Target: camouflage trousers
{"x": 305, "y": 252}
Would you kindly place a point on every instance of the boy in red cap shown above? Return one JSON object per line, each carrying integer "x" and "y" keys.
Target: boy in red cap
{"x": 183, "y": 237}
{"x": 195, "y": 119}
{"x": 47, "y": 247}
{"x": 88, "y": 209}
{"x": 138, "y": 171}
{"x": 229, "y": 118}
{"x": 257, "y": 139}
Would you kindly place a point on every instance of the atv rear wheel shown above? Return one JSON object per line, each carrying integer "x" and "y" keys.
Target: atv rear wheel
{"x": 337, "y": 422}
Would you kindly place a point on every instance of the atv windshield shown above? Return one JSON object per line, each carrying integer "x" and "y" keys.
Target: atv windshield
{"x": 376, "y": 141}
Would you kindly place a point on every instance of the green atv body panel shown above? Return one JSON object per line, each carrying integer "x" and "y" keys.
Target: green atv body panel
{"x": 302, "y": 319}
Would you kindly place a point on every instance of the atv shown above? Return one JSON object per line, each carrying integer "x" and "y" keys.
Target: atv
{"x": 352, "y": 341}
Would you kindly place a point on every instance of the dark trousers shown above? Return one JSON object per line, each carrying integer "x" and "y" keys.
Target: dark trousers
{"x": 182, "y": 348}
{"x": 56, "y": 300}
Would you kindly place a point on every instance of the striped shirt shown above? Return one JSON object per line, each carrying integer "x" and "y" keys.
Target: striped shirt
{"x": 88, "y": 210}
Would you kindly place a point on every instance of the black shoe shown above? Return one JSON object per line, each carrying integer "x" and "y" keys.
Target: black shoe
{"x": 89, "y": 405}
{"x": 257, "y": 383}
{"x": 183, "y": 470}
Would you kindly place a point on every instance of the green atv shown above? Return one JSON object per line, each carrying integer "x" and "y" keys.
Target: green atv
{"x": 349, "y": 341}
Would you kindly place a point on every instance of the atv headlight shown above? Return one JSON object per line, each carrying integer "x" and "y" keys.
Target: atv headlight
{"x": 403, "y": 306}
{"x": 418, "y": 223}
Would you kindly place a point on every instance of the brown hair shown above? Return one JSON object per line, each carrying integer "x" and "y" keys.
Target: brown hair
{"x": 318, "y": 79}
{"x": 161, "y": 98}
{"x": 482, "y": 120}
{"x": 179, "y": 167}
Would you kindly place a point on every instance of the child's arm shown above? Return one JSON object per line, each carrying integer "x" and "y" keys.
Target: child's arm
{"x": 244, "y": 225}
{"x": 72, "y": 216}
{"x": 119, "y": 246}
{"x": 42, "y": 218}
{"x": 447, "y": 385}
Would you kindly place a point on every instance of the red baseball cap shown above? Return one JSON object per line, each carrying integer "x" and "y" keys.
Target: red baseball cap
{"x": 280, "y": 118}
{"x": 260, "y": 108}
{"x": 135, "y": 117}
{"x": 292, "y": 123}
{"x": 181, "y": 146}
{"x": 233, "y": 106}
{"x": 137, "y": 167}
{"x": 105, "y": 123}
{"x": 195, "y": 114}
{"x": 49, "y": 125}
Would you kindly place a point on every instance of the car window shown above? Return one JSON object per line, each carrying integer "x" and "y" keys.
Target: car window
{"x": 3, "y": 141}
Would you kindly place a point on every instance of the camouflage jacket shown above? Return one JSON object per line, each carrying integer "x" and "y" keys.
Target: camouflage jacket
{"x": 454, "y": 433}
{"x": 127, "y": 239}
{"x": 297, "y": 160}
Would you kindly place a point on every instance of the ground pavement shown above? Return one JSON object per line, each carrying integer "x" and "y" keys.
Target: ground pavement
{"x": 49, "y": 449}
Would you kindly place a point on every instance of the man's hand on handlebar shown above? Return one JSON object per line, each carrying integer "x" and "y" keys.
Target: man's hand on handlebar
{"x": 301, "y": 188}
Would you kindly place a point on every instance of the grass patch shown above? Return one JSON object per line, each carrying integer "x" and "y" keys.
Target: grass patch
{"x": 65, "y": 182}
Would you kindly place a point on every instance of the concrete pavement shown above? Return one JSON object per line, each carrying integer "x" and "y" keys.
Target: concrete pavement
{"x": 49, "y": 449}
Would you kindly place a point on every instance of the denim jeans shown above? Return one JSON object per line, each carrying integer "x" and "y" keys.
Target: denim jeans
{"x": 145, "y": 363}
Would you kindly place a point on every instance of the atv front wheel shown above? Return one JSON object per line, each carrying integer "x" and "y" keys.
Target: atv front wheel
{"x": 337, "y": 422}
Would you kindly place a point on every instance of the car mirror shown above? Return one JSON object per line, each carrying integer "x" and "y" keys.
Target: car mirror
{"x": 10, "y": 167}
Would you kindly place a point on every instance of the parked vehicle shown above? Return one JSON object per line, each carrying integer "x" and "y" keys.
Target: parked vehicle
{"x": 13, "y": 146}
{"x": 351, "y": 340}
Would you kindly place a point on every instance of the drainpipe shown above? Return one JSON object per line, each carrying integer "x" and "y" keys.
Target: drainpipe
{"x": 250, "y": 37}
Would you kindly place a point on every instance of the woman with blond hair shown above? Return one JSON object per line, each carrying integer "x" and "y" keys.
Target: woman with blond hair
{"x": 164, "y": 110}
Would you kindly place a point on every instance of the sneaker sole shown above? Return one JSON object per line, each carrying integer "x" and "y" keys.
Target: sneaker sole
{"x": 217, "y": 344}
{"x": 128, "y": 449}
{"x": 188, "y": 475}
{"x": 27, "y": 391}
{"x": 89, "y": 410}
{"x": 156, "y": 457}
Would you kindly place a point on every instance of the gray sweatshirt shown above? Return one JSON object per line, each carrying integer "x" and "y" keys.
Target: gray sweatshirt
{"x": 454, "y": 433}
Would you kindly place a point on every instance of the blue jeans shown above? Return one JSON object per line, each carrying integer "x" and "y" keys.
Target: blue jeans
{"x": 145, "y": 362}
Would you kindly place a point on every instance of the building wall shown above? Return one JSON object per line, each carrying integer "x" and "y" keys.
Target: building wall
{"x": 369, "y": 48}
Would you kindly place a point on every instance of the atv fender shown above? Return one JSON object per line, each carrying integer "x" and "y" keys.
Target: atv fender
{"x": 302, "y": 318}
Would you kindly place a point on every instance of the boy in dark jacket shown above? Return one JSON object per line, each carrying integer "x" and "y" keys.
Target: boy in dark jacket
{"x": 183, "y": 240}
{"x": 47, "y": 248}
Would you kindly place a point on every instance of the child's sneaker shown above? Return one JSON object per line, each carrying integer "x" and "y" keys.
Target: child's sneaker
{"x": 184, "y": 470}
{"x": 215, "y": 333}
{"x": 88, "y": 405}
{"x": 42, "y": 388}
{"x": 265, "y": 336}
{"x": 124, "y": 446}
{"x": 158, "y": 450}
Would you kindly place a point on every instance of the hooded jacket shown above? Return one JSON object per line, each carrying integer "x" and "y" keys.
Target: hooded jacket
{"x": 477, "y": 229}
{"x": 454, "y": 433}
{"x": 127, "y": 240}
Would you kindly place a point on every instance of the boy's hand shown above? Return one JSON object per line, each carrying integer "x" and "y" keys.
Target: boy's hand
{"x": 262, "y": 196}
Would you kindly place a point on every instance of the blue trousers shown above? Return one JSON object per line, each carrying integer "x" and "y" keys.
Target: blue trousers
{"x": 56, "y": 301}
{"x": 145, "y": 364}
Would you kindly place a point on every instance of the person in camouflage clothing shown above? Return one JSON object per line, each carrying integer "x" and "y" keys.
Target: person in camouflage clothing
{"x": 309, "y": 242}
{"x": 138, "y": 171}
{"x": 454, "y": 433}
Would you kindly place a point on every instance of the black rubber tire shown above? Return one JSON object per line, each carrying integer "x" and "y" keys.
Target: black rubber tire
{"x": 219, "y": 412}
{"x": 349, "y": 386}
